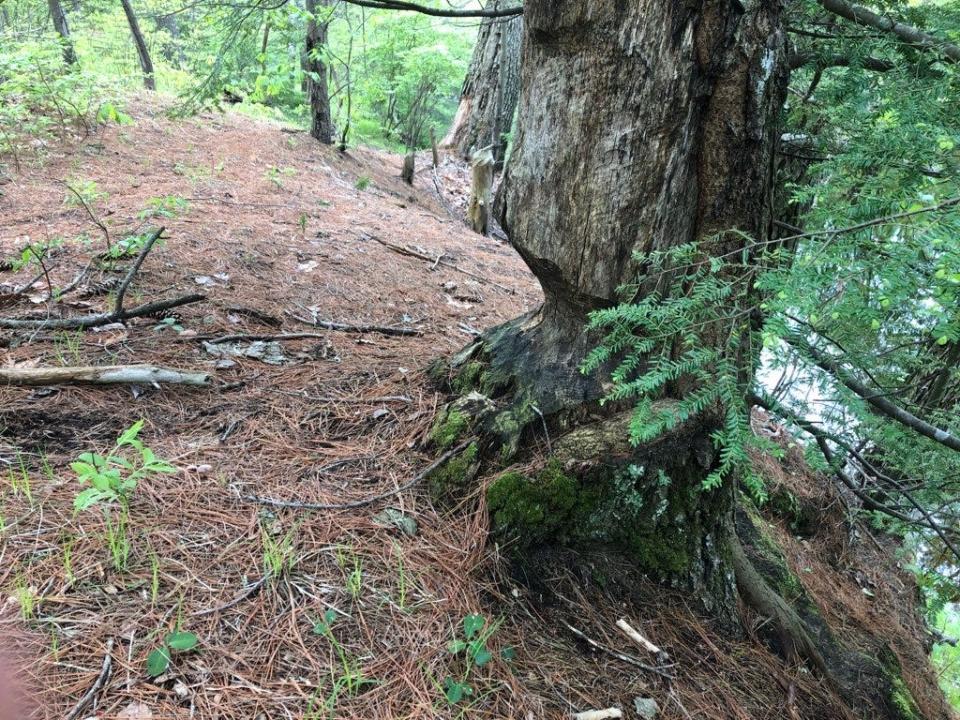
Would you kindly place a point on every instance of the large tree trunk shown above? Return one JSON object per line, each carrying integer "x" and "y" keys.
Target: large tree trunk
{"x": 321, "y": 123}
{"x": 490, "y": 91}
{"x": 146, "y": 64}
{"x": 59, "y": 18}
{"x": 642, "y": 126}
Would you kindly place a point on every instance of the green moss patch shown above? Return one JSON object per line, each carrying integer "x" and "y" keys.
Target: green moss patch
{"x": 449, "y": 427}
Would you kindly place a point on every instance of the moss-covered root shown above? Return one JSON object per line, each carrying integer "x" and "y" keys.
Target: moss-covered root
{"x": 795, "y": 642}
{"x": 901, "y": 700}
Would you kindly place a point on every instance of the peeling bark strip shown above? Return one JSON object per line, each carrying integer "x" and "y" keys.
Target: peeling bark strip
{"x": 491, "y": 89}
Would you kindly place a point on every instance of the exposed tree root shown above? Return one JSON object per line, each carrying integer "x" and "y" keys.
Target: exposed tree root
{"x": 794, "y": 640}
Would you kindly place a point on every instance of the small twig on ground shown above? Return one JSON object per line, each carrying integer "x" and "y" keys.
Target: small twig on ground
{"x": 93, "y": 217}
{"x": 244, "y": 594}
{"x": 346, "y": 327}
{"x": 640, "y": 640}
{"x": 97, "y": 684}
{"x": 420, "y": 477}
{"x": 619, "y": 655}
{"x": 220, "y": 339}
{"x": 134, "y": 268}
{"x": 427, "y": 258}
{"x": 104, "y": 375}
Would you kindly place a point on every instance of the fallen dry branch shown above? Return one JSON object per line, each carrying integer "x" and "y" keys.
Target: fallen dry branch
{"x": 244, "y": 594}
{"x": 618, "y": 655}
{"x": 420, "y": 477}
{"x": 99, "y": 319}
{"x": 118, "y": 314}
{"x": 347, "y": 327}
{"x": 640, "y": 640}
{"x": 98, "y": 684}
{"x": 435, "y": 261}
{"x": 220, "y": 339}
{"x": 106, "y": 375}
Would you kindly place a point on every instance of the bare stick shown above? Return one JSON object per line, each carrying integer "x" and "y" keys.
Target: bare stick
{"x": 96, "y": 320}
{"x": 608, "y": 714}
{"x": 619, "y": 655}
{"x": 97, "y": 684}
{"x": 105, "y": 375}
{"x": 445, "y": 263}
{"x": 128, "y": 278}
{"x": 641, "y": 640}
{"x": 244, "y": 594}
{"x": 345, "y": 327}
{"x": 297, "y": 505}
{"x": 282, "y": 337}
{"x": 96, "y": 221}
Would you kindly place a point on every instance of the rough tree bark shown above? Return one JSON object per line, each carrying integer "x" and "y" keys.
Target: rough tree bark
{"x": 60, "y": 24}
{"x": 146, "y": 64}
{"x": 642, "y": 127}
{"x": 321, "y": 123}
{"x": 491, "y": 89}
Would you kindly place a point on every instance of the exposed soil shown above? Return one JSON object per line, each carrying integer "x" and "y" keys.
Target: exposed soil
{"x": 277, "y": 228}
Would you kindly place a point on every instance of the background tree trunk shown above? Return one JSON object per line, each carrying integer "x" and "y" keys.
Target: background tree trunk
{"x": 59, "y": 18}
{"x": 642, "y": 126}
{"x": 490, "y": 90}
{"x": 321, "y": 124}
{"x": 146, "y": 64}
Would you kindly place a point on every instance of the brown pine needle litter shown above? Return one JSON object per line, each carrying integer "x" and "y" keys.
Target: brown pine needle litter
{"x": 333, "y": 419}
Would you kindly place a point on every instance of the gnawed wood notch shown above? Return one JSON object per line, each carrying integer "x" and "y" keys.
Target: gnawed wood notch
{"x": 106, "y": 375}
{"x": 478, "y": 213}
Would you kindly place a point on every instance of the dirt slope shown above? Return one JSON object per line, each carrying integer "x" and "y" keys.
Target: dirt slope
{"x": 276, "y": 227}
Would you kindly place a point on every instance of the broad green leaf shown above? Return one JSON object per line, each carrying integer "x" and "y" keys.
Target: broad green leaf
{"x": 482, "y": 656}
{"x": 182, "y": 640}
{"x": 472, "y": 624}
{"x": 130, "y": 434}
{"x": 158, "y": 661}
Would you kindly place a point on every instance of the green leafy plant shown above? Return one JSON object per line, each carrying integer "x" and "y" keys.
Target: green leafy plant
{"x": 276, "y": 175}
{"x": 278, "y": 551}
{"x": 130, "y": 246}
{"x": 159, "y": 659}
{"x": 362, "y": 183}
{"x": 114, "y": 476}
{"x": 169, "y": 323}
{"x": 168, "y": 206}
{"x": 471, "y": 646}
{"x": 348, "y": 678}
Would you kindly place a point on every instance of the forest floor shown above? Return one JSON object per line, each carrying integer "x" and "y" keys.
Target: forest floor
{"x": 355, "y": 617}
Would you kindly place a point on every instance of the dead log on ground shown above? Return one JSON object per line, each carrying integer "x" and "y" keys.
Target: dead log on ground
{"x": 106, "y": 375}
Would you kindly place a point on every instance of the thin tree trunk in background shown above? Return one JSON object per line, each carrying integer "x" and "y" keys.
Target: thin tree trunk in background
{"x": 59, "y": 18}
{"x": 321, "y": 123}
{"x": 146, "y": 64}
{"x": 263, "y": 48}
{"x": 490, "y": 90}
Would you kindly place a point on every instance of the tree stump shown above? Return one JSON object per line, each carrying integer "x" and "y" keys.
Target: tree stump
{"x": 478, "y": 212}
{"x": 406, "y": 173}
